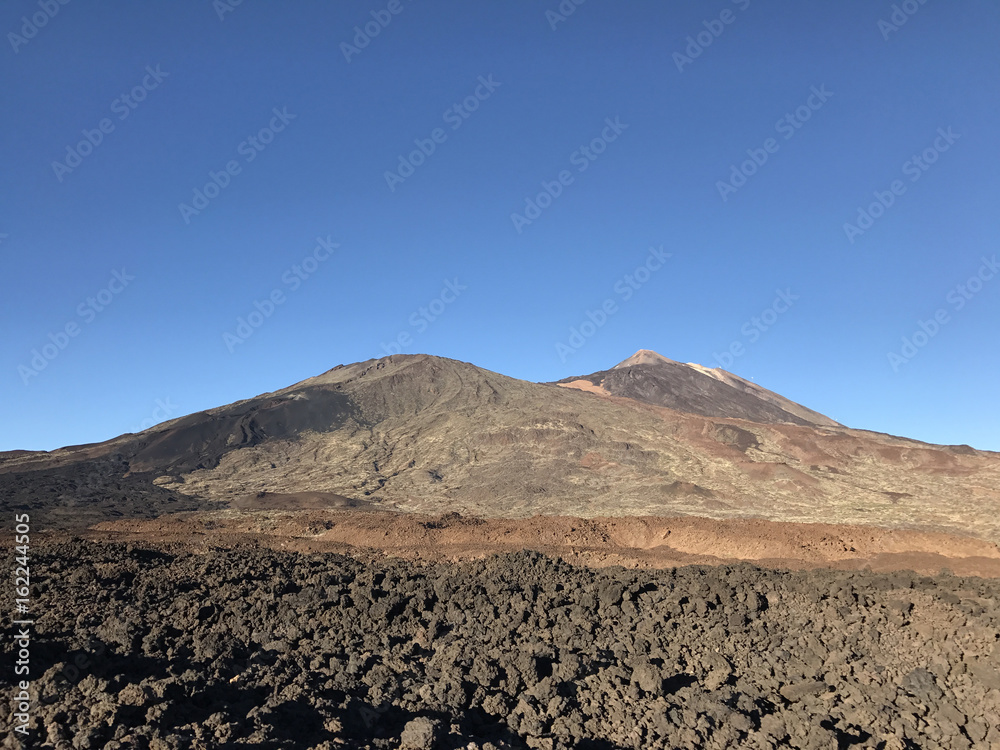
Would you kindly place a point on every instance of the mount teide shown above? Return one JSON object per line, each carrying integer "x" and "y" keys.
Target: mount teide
{"x": 425, "y": 434}
{"x": 653, "y": 379}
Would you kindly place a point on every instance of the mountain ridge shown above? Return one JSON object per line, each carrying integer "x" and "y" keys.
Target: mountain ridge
{"x": 425, "y": 434}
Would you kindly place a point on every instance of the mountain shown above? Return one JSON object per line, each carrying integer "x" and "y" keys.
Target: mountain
{"x": 425, "y": 434}
{"x": 653, "y": 379}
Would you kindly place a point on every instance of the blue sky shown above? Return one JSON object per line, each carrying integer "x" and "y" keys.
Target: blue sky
{"x": 485, "y": 181}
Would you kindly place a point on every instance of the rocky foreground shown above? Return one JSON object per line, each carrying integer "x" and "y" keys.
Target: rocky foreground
{"x": 145, "y": 647}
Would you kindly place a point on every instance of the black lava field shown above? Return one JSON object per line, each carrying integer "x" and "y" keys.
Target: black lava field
{"x": 161, "y": 647}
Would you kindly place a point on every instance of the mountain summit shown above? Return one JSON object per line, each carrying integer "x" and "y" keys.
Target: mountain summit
{"x": 645, "y": 357}
{"x": 654, "y": 379}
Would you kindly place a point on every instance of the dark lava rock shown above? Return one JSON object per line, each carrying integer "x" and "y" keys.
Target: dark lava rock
{"x": 419, "y": 734}
{"x": 142, "y": 647}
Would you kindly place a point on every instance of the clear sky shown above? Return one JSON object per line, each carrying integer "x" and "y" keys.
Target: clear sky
{"x": 201, "y": 202}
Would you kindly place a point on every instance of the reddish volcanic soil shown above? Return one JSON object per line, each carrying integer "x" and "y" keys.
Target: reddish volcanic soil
{"x": 646, "y": 542}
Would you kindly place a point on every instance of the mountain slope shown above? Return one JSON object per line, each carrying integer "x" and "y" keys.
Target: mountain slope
{"x": 432, "y": 435}
{"x": 653, "y": 379}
